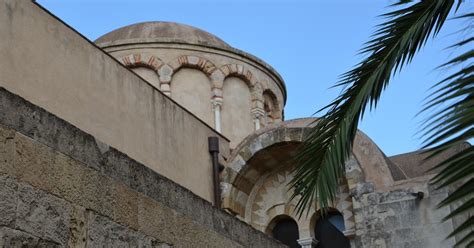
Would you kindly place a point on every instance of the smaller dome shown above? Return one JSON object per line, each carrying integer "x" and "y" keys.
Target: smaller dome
{"x": 170, "y": 32}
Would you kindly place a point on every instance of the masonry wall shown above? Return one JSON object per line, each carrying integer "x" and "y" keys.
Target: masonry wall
{"x": 54, "y": 67}
{"x": 61, "y": 187}
{"x": 399, "y": 219}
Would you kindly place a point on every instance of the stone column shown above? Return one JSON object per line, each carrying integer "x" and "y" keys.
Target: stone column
{"x": 307, "y": 242}
{"x": 216, "y": 108}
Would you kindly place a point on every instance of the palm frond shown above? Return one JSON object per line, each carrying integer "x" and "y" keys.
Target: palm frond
{"x": 450, "y": 124}
{"x": 395, "y": 42}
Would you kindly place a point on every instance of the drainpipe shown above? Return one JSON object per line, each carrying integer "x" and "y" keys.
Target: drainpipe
{"x": 216, "y": 168}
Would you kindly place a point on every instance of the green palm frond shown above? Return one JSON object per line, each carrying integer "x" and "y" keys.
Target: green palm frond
{"x": 451, "y": 124}
{"x": 396, "y": 41}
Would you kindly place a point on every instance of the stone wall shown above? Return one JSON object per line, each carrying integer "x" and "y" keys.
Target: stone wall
{"x": 399, "y": 219}
{"x": 49, "y": 64}
{"x": 61, "y": 187}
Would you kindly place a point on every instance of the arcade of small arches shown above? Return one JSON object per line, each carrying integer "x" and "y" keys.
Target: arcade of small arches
{"x": 265, "y": 105}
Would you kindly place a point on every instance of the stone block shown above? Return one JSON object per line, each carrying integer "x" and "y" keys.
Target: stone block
{"x": 8, "y": 200}
{"x": 222, "y": 222}
{"x": 201, "y": 211}
{"x": 102, "y": 232}
{"x": 266, "y": 139}
{"x": 125, "y": 205}
{"x": 239, "y": 231}
{"x": 180, "y": 199}
{"x": 148, "y": 182}
{"x": 7, "y": 149}
{"x": 42, "y": 214}
{"x": 410, "y": 218}
{"x": 16, "y": 239}
{"x": 77, "y": 227}
{"x": 254, "y": 147}
{"x": 293, "y": 134}
{"x": 157, "y": 221}
{"x": 245, "y": 153}
{"x": 238, "y": 163}
{"x": 117, "y": 165}
{"x": 391, "y": 223}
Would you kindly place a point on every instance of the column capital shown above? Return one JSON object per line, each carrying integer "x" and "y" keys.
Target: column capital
{"x": 307, "y": 242}
{"x": 217, "y": 101}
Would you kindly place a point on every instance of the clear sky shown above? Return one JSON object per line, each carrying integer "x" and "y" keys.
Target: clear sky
{"x": 309, "y": 42}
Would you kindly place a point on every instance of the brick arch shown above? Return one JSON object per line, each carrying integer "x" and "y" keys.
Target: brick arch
{"x": 243, "y": 73}
{"x": 239, "y": 71}
{"x": 192, "y": 61}
{"x": 142, "y": 60}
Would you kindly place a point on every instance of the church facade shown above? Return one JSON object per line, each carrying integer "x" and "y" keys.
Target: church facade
{"x": 149, "y": 97}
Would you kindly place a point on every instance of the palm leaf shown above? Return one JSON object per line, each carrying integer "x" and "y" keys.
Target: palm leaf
{"x": 321, "y": 162}
{"x": 451, "y": 124}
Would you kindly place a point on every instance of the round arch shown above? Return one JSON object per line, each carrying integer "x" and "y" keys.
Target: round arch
{"x": 239, "y": 71}
{"x": 285, "y": 229}
{"x": 191, "y": 61}
{"x": 142, "y": 60}
{"x": 252, "y": 159}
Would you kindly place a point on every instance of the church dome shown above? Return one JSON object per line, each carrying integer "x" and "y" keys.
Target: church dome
{"x": 169, "y": 32}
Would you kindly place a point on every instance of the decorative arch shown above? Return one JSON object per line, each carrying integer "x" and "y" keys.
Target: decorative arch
{"x": 317, "y": 215}
{"x": 275, "y": 220}
{"x": 285, "y": 229}
{"x": 252, "y": 159}
{"x": 271, "y": 107}
{"x": 142, "y": 60}
{"x": 239, "y": 71}
{"x": 343, "y": 206}
{"x": 328, "y": 231}
{"x": 192, "y": 61}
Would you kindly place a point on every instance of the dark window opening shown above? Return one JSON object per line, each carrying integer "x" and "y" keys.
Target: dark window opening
{"x": 329, "y": 231}
{"x": 286, "y": 231}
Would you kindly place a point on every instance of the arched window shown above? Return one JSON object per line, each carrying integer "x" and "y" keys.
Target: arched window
{"x": 270, "y": 106}
{"x": 329, "y": 231}
{"x": 286, "y": 230}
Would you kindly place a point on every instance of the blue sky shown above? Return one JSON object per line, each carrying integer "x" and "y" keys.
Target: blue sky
{"x": 310, "y": 43}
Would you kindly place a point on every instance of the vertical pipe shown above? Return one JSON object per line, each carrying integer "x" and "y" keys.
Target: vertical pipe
{"x": 214, "y": 150}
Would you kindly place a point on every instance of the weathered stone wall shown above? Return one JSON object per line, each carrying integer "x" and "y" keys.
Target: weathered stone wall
{"x": 60, "y": 187}
{"x": 54, "y": 67}
{"x": 398, "y": 219}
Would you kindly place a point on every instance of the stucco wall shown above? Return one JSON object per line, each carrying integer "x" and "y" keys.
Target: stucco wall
{"x": 149, "y": 75}
{"x": 61, "y": 187}
{"x": 192, "y": 89}
{"x": 49, "y": 64}
{"x": 236, "y": 116}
